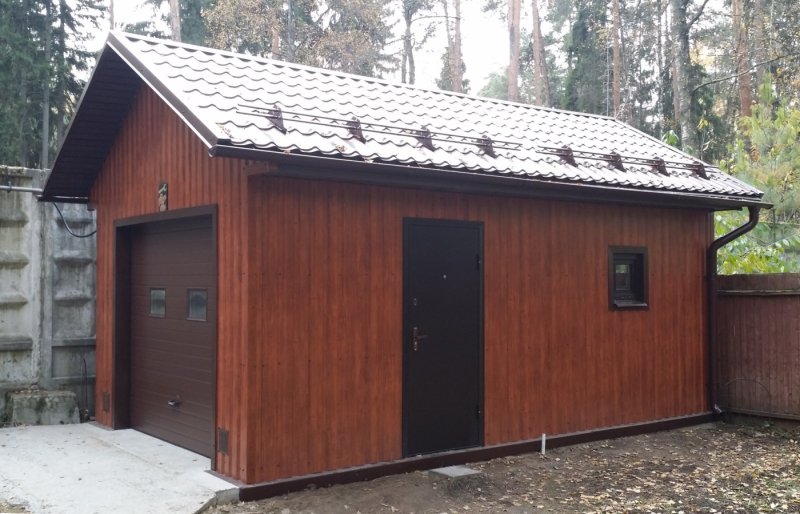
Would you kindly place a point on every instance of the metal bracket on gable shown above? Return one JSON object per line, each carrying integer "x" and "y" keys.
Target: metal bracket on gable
{"x": 275, "y": 116}
{"x": 425, "y": 137}
{"x": 487, "y": 145}
{"x": 354, "y": 126}
{"x": 660, "y": 166}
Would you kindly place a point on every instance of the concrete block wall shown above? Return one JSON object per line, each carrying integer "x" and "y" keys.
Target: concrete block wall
{"x": 47, "y": 289}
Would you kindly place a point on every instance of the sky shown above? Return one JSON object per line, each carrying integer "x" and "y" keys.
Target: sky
{"x": 484, "y": 42}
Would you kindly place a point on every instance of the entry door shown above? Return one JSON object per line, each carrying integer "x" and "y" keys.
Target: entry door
{"x": 443, "y": 336}
{"x": 173, "y": 332}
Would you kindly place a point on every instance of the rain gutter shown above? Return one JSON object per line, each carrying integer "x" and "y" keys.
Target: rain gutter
{"x": 319, "y": 167}
{"x": 711, "y": 272}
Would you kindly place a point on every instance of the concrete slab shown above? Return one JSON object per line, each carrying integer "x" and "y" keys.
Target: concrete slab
{"x": 86, "y": 468}
{"x": 40, "y": 407}
{"x": 455, "y": 471}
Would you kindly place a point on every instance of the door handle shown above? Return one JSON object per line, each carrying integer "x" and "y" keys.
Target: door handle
{"x": 416, "y": 337}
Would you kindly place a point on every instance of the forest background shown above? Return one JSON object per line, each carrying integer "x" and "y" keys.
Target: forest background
{"x": 718, "y": 79}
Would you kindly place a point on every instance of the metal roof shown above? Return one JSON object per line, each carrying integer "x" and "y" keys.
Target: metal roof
{"x": 260, "y": 108}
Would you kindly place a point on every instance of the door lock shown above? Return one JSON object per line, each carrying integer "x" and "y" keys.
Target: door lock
{"x": 416, "y": 337}
{"x": 176, "y": 402}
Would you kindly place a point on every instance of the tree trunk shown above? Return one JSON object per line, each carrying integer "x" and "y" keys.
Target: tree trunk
{"x": 457, "y": 73}
{"x": 513, "y": 49}
{"x": 760, "y": 49}
{"x": 406, "y": 50}
{"x": 412, "y": 67}
{"x": 449, "y": 34}
{"x": 541, "y": 81}
{"x": 680, "y": 78}
{"x": 44, "y": 157}
{"x": 660, "y": 52}
{"x": 61, "y": 86}
{"x": 745, "y": 85}
{"x": 616, "y": 85}
{"x": 175, "y": 19}
{"x": 275, "y": 47}
{"x": 289, "y": 31}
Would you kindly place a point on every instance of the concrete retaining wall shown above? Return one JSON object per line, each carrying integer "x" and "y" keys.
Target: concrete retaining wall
{"x": 47, "y": 287}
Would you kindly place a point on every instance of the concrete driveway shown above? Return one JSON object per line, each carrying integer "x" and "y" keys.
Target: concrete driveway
{"x": 86, "y": 468}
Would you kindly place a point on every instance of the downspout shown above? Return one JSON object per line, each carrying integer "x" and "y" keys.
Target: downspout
{"x": 711, "y": 271}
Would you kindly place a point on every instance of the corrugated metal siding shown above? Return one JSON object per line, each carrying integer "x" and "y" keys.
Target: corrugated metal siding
{"x": 310, "y": 290}
{"x": 327, "y": 287}
{"x": 154, "y": 145}
{"x": 758, "y": 331}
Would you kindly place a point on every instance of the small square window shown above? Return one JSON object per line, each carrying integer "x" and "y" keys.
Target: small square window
{"x": 158, "y": 303}
{"x": 197, "y": 302}
{"x": 627, "y": 277}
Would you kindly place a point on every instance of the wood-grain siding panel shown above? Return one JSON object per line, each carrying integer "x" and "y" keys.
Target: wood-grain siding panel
{"x": 326, "y": 311}
{"x": 154, "y": 145}
{"x": 758, "y": 335}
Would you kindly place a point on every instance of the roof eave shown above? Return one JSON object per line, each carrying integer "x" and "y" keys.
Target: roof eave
{"x": 61, "y": 185}
{"x": 204, "y": 131}
{"x": 318, "y": 167}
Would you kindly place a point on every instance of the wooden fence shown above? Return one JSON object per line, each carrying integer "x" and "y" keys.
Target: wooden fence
{"x": 758, "y": 334}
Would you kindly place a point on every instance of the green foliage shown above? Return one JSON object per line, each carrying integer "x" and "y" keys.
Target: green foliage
{"x": 671, "y": 138}
{"x": 445, "y": 80}
{"x": 767, "y": 155}
{"x": 766, "y": 249}
{"x": 587, "y": 60}
{"x": 496, "y": 87}
{"x": 41, "y": 52}
{"x": 193, "y": 28}
{"x": 343, "y": 35}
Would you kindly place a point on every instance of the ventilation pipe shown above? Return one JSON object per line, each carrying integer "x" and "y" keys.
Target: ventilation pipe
{"x": 711, "y": 273}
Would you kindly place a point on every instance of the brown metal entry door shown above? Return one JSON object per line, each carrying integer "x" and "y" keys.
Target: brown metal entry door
{"x": 443, "y": 336}
{"x": 173, "y": 332}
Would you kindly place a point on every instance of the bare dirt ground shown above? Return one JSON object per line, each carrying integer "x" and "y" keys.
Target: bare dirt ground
{"x": 711, "y": 468}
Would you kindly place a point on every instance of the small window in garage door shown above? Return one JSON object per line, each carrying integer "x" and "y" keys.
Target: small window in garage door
{"x": 197, "y": 302}
{"x": 158, "y": 302}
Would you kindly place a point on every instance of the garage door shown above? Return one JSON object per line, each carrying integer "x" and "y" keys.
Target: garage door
{"x": 173, "y": 332}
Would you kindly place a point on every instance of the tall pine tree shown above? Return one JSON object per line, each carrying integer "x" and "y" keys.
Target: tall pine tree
{"x": 41, "y": 58}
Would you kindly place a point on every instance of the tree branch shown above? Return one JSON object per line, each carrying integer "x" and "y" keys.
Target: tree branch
{"x": 751, "y": 68}
{"x": 697, "y": 15}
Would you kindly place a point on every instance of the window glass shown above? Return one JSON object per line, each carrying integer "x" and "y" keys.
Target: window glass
{"x": 158, "y": 302}
{"x": 627, "y": 277}
{"x": 197, "y": 300}
{"x": 622, "y": 277}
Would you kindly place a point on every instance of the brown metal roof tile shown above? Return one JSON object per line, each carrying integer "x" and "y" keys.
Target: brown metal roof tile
{"x": 229, "y": 95}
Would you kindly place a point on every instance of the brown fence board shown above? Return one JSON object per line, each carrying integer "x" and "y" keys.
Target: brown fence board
{"x": 758, "y": 333}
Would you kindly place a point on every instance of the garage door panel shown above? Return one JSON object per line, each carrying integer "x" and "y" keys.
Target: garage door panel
{"x": 168, "y": 329}
{"x": 182, "y": 434}
{"x": 172, "y": 357}
{"x": 175, "y": 379}
{"x": 175, "y": 357}
{"x": 189, "y": 412}
{"x": 192, "y": 271}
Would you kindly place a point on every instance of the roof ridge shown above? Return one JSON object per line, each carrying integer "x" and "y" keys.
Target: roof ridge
{"x": 304, "y": 67}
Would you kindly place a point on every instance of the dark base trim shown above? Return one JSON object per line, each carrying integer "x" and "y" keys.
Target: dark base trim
{"x": 262, "y": 490}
